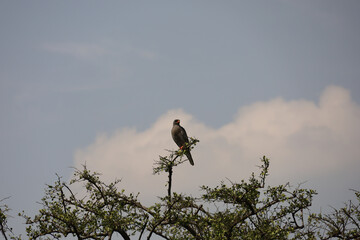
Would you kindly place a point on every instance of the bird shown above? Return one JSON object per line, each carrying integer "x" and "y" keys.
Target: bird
{"x": 180, "y": 137}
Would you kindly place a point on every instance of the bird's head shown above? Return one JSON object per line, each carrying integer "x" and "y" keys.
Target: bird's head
{"x": 176, "y": 122}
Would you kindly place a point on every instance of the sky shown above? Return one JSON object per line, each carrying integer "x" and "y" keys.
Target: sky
{"x": 101, "y": 82}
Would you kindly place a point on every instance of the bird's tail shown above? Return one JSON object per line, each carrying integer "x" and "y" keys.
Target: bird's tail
{"x": 189, "y": 157}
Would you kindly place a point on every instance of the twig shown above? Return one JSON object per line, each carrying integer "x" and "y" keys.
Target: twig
{"x": 144, "y": 227}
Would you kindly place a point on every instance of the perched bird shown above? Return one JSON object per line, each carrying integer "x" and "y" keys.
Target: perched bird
{"x": 180, "y": 137}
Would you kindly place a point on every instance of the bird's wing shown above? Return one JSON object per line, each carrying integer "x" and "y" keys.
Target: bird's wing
{"x": 179, "y": 135}
{"x": 184, "y": 135}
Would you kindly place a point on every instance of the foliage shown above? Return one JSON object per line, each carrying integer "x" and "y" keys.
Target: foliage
{"x": 343, "y": 223}
{"x": 247, "y": 210}
{"x": 5, "y": 230}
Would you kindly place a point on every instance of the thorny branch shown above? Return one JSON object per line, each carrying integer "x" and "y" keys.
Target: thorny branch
{"x": 246, "y": 210}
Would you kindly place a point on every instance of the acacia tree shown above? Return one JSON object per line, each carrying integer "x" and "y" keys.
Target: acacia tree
{"x": 343, "y": 223}
{"x": 247, "y": 210}
{"x": 5, "y": 230}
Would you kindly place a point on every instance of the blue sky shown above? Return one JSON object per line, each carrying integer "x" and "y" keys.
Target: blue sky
{"x": 79, "y": 79}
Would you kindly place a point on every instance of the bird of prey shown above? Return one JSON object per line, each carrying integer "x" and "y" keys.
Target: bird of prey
{"x": 180, "y": 137}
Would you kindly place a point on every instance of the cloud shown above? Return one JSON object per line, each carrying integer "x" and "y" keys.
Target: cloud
{"x": 78, "y": 50}
{"x": 306, "y": 141}
{"x": 91, "y": 51}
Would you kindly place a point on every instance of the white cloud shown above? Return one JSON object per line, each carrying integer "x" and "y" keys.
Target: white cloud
{"x": 92, "y": 51}
{"x": 78, "y": 50}
{"x": 142, "y": 53}
{"x": 306, "y": 141}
